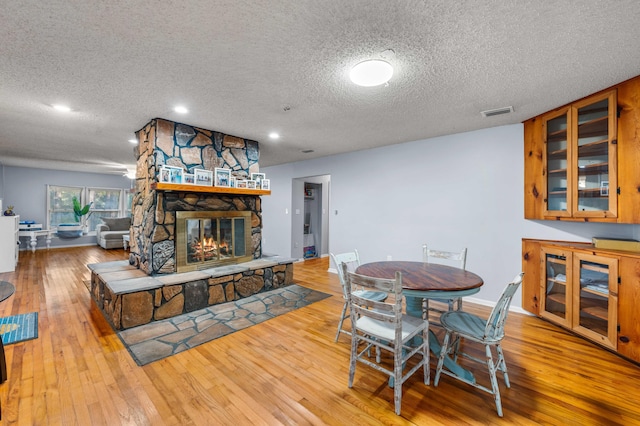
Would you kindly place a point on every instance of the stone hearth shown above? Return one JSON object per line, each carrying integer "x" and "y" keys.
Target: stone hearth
{"x": 129, "y": 297}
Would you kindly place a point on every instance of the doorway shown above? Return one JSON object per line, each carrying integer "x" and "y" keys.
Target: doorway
{"x": 310, "y": 219}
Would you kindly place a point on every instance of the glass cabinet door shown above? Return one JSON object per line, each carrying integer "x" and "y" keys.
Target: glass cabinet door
{"x": 557, "y": 160}
{"x": 556, "y": 286}
{"x": 596, "y": 301}
{"x": 595, "y": 132}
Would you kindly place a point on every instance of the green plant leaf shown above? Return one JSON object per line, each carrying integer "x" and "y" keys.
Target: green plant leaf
{"x": 78, "y": 210}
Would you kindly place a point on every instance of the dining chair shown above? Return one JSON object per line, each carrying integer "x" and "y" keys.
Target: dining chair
{"x": 449, "y": 258}
{"x": 352, "y": 260}
{"x": 489, "y": 332}
{"x": 382, "y": 325}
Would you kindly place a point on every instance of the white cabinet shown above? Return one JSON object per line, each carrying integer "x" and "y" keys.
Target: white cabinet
{"x": 9, "y": 243}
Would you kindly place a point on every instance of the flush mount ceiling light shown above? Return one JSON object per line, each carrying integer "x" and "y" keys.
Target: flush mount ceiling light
{"x": 274, "y": 135}
{"x": 373, "y": 72}
{"x": 181, "y": 110}
{"x": 61, "y": 108}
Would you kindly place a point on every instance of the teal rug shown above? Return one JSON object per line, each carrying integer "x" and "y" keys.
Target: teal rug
{"x": 18, "y": 328}
{"x": 160, "y": 339}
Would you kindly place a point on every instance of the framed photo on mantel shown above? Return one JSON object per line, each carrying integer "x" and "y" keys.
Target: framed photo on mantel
{"x": 223, "y": 177}
{"x": 203, "y": 177}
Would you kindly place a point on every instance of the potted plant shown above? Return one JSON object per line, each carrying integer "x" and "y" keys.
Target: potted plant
{"x": 81, "y": 213}
{"x": 75, "y": 230}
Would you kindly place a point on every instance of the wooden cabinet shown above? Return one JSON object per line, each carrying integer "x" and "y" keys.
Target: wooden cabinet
{"x": 9, "y": 243}
{"x": 589, "y": 291}
{"x": 580, "y": 159}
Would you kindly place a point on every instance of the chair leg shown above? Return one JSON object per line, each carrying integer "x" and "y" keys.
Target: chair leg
{"x": 353, "y": 360}
{"x": 342, "y": 318}
{"x": 443, "y": 352}
{"x": 397, "y": 378}
{"x": 502, "y": 365}
{"x": 494, "y": 380}
{"x": 426, "y": 356}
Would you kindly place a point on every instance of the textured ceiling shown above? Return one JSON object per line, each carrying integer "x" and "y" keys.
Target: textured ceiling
{"x": 247, "y": 68}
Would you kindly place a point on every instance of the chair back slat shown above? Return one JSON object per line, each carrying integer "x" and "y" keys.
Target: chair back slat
{"x": 351, "y": 259}
{"x": 449, "y": 258}
{"x": 388, "y": 312}
{"x": 495, "y": 323}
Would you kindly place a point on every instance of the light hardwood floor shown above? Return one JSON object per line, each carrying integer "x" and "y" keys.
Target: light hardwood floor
{"x": 287, "y": 370}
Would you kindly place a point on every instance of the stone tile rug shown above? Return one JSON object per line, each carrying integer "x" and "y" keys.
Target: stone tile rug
{"x": 160, "y": 339}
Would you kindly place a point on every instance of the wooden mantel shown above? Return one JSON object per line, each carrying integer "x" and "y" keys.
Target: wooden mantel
{"x": 169, "y": 187}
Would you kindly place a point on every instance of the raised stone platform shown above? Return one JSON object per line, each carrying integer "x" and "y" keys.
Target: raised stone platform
{"x": 129, "y": 297}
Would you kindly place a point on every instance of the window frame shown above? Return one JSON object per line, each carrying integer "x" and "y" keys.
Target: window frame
{"x": 85, "y": 191}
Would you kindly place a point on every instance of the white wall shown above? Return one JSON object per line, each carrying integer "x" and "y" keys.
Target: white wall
{"x": 455, "y": 191}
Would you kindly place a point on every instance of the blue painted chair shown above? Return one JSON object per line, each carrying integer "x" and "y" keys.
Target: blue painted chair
{"x": 449, "y": 258}
{"x": 383, "y": 326}
{"x": 490, "y": 332}
{"x": 352, "y": 260}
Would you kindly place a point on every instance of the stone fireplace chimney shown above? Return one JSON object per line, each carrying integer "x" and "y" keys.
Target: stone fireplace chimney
{"x": 163, "y": 142}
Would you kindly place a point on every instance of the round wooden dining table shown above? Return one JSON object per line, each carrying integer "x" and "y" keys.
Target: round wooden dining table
{"x": 422, "y": 281}
{"x": 426, "y": 280}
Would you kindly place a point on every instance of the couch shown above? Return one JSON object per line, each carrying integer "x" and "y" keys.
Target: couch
{"x": 109, "y": 233}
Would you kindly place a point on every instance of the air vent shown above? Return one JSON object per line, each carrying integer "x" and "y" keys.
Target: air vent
{"x": 497, "y": 111}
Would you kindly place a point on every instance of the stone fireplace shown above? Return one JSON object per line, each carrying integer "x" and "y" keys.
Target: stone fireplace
{"x": 163, "y": 142}
{"x": 191, "y": 247}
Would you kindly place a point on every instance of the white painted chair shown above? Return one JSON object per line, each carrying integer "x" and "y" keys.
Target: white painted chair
{"x": 449, "y": 258}
{"x": 352, "y": 261}
{"x": 383, "y": 326}
{"x": 489, "y": 332}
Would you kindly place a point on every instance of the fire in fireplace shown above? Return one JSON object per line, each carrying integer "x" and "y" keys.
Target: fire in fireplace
{"x": 205, "y": 239}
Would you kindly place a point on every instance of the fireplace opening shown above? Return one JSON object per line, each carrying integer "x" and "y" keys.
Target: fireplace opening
{"x": 206, "y": 239}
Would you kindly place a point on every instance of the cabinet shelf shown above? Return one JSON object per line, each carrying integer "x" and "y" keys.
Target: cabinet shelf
{"x": 591, "y": 193}
{"x": 595, "y": 127}
{"x": 558, "y": 171}
{"x": 558, "y": 154}
{"x": 596, "y": 311}
{"x": 593, "y": 149}
{"x": 169, "y": 187}
{"x": 595, "y": 268}
{"x": 557, "y": 297}
{"x": 593, "y": 169}
{"x": 557, "y": 136}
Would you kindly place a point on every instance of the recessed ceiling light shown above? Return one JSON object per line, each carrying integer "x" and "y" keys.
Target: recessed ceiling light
{"x": 62, "y": 108}
{"x": 181, "y": 110}
{"x": 373, "y": 72}
{"x": 274, "y": 135}
{"x": 133, "y": 140}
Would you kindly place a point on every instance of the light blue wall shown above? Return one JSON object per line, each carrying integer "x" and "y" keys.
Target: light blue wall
{"x": 455, "y": 191}
{"x": 26, "y": 189}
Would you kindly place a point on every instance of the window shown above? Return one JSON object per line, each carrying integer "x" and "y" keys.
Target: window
{"x": 60, "y": 204}
{"x": 106, "y": 202}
